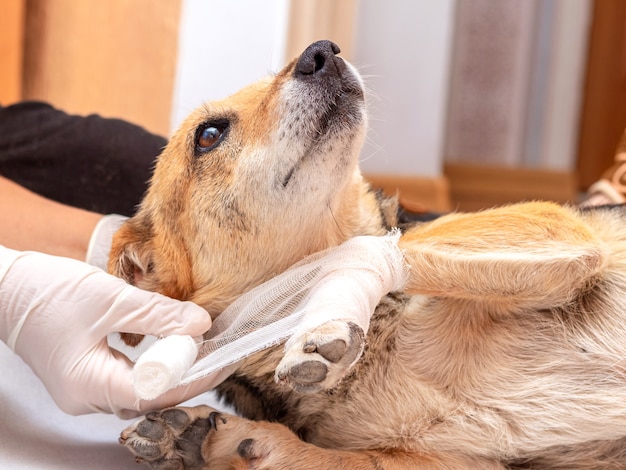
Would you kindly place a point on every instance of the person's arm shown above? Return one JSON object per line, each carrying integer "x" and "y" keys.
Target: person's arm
{"x": 32, "y": 222}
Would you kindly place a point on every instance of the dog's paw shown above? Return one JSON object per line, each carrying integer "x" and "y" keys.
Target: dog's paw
{"x": 319, "y": 359}
{"x": 170, "y": 439}
{"x": 202, "y": 438}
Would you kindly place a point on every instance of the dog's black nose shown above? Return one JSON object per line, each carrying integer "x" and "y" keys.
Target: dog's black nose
{"x": 319, "y": 59}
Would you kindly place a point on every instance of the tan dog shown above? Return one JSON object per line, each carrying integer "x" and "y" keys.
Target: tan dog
{"x": 506, "y": 350}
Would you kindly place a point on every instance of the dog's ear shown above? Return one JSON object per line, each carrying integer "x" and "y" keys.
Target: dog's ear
{"x": 150, "y": 259}
{"x": 131, "y": 252}
{"x": 131, "y": 259}
{"x": 535, "y": 254}
{"x": 134, "y": 258}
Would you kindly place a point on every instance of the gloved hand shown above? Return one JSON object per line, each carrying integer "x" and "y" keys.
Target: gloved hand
{"x": 101, "y": 238}
{"x": 56, "y": 313}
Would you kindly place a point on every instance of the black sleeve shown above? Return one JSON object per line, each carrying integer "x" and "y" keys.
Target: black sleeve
{"x": 98, "y": 164}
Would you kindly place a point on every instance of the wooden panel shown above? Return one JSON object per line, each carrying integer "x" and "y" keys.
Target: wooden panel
{"x": 604, "y": 103}
{"x": 417, "y": 194}
{"x": 115, "y": 57}
{"x": 312, "y": 20}
{"x": 11, "y": 48}
{"x": 475, "y": 187}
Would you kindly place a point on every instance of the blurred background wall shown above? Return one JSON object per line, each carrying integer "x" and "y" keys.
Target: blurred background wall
{"x": 473, "y": 102}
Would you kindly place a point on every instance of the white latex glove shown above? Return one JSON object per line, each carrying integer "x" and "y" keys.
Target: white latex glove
{"x": 56, "y": 313}
{"x": 101, "y": 239}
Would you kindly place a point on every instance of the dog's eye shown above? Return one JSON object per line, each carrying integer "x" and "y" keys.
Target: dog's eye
{"x": 209, "y": 135}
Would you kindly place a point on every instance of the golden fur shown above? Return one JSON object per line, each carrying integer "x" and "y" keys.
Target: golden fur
{"x": 506, "y": 349}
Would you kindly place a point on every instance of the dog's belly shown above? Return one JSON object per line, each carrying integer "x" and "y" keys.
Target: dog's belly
{"x": 519, "y": 383}
{"x": 450, "y": 382}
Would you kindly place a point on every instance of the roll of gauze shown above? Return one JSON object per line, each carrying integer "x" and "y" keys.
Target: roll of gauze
{"x": 163, "y": 365}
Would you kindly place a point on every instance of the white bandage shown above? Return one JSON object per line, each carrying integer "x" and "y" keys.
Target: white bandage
{"x": 342, "y": 283}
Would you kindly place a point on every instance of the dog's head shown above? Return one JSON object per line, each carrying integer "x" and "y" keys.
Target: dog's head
{"x": 251, "y": 184}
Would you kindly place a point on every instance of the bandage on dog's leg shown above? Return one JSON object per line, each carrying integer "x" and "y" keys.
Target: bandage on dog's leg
{"x": 300, "y": 299}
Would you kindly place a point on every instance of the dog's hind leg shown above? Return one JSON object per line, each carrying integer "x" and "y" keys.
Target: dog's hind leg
{"x": 534, "y": 255}
{"x": 201, "y": 437}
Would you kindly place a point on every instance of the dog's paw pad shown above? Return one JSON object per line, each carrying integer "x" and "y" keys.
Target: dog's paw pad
{"x": 167, "y": 440}
{"x": 319, "y": 359}
{"x": 245, "y": 449}
{"x": 332, "y": 351}
{"x": 309, "y": 372}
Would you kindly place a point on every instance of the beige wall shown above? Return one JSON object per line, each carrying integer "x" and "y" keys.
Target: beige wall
{"x": 312, "y": 20}
{"x": 115, "y": 57}
{"x": 118, "y": 58}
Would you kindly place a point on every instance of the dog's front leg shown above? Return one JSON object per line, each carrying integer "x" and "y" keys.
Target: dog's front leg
{"x": 318, "y": 359}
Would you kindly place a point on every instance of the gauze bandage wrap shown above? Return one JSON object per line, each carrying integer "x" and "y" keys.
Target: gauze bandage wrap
{"x": 342, "y": 283}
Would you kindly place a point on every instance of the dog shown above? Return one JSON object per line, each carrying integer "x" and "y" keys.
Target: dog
{"x": 506, "y": 349}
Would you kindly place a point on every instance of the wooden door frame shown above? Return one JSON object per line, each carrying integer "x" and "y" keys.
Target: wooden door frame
{"x": 603, "y": 117}
{"x": 11, "y": 50}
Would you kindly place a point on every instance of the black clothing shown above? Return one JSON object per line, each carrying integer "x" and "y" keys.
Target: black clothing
{"x": 102, "y": 165}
